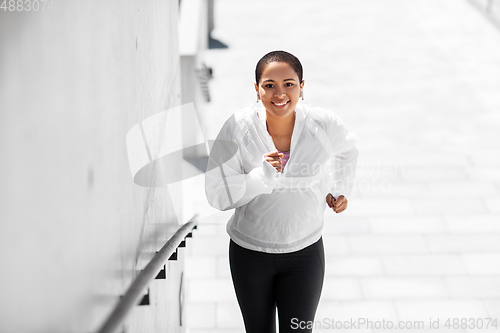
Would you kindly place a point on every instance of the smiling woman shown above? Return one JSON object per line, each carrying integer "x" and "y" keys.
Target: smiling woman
{"x": 279, "y": 85}
{"x": 276, "y": 249}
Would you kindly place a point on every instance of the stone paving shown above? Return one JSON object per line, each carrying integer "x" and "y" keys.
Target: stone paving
{"x": 419, "y": 83}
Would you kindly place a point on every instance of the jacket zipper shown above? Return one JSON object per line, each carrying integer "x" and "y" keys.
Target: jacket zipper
{"x": 271, "y": 142}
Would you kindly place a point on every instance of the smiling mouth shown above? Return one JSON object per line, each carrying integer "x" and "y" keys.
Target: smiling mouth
{"x": 280, "y": 104}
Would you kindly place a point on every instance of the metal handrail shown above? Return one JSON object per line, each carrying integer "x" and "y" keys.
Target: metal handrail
{"x": 134, "y": 292}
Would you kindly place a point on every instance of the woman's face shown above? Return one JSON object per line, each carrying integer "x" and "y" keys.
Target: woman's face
{"x": 279, "y": 88}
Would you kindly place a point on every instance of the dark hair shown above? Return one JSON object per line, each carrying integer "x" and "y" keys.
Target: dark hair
{"x": 278, "y": 56}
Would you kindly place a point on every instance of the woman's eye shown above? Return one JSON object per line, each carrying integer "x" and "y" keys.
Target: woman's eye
{"x": 288, "y": 84}
{"x": 269, "y": 85}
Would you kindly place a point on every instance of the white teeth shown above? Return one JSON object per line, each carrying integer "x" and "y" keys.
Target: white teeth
{"x": 278, "y": 104}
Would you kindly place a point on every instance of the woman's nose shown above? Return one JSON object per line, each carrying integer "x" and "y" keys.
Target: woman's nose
{"x": 279, "y": 93}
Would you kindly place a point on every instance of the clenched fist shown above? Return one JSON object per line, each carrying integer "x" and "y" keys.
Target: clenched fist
{"x": 338, "y": 205}
{"x": 274, "y": 158}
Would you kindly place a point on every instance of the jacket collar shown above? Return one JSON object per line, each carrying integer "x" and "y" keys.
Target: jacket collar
{"x": 301, "y": 111}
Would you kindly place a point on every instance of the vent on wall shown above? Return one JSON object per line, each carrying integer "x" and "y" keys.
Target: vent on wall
{"x": 204, "y": 74}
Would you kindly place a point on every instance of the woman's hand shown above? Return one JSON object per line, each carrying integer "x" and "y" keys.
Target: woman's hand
{"x": 274, "y": 158}
{"x": 338, "y": 205}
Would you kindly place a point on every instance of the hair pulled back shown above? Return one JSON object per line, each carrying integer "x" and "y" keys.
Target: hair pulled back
{"x": 278, "y": 56}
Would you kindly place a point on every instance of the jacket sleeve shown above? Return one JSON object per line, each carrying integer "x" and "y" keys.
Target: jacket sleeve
{"x": 227, "y": 186}
{"x": 342, "y": 164}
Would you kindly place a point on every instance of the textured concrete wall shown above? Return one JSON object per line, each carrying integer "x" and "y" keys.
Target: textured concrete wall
{"x": 74, "y": 228}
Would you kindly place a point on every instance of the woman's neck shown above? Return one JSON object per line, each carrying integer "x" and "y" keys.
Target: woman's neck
{"x": 280, "y": 126}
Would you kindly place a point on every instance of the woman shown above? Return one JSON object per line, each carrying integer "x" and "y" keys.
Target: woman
{"x": 279, "y": 165}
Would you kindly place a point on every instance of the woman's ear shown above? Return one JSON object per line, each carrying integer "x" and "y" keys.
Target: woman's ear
{"x": 302, "y": 84}
{"x": 256, "y": 87}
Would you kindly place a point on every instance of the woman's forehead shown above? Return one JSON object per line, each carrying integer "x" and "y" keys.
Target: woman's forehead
{"x": 278, "y": 70}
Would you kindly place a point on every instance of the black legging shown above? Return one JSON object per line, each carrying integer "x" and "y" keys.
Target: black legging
{"x": 292, "y": 282}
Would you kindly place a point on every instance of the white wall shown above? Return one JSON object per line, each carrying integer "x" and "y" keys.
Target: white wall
{"x": 74, "y": 228}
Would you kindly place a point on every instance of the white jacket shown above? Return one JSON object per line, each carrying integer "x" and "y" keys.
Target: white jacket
{"x": 279, "y": 212}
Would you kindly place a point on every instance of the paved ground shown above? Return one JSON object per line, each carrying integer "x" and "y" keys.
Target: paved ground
{"x": 418, "y": 82}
